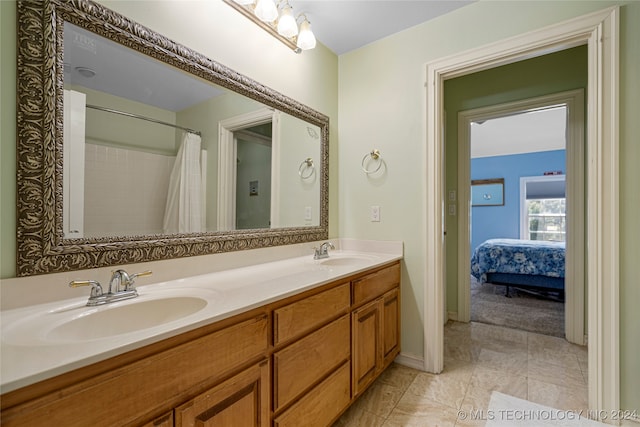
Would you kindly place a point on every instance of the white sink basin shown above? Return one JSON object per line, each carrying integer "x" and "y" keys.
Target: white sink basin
{"x": 126, "y": 318}
{"x": 348, "y": 260}
{"x": 76, "y": 323}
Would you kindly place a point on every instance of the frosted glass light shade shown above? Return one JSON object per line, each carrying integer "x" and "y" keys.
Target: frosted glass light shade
{"x": 287, "y": 25}
{"x": 266, "y": 10}
{"x": 245, "y": 2}
{"x": 306, "y": 39}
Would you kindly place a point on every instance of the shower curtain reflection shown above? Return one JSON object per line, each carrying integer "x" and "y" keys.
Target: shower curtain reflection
{"x": 184, "y": 208}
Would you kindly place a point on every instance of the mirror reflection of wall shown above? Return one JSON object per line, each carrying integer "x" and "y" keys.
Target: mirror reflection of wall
{"x": 128, "y": 160}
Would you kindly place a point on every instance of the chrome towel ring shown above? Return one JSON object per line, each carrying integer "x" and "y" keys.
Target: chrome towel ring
{"x": 373, "y": 155}
{"x": 306, "y": 165}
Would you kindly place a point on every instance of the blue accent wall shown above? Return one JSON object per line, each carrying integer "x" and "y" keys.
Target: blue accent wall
{"x": 490, "y": 222}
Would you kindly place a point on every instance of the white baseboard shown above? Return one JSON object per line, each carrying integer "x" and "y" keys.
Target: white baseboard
{"x": 410, "y": 361}
{"x": 452, "y": 315}
{"x": 631, "y": 422}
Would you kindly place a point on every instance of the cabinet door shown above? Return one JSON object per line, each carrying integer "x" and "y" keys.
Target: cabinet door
{"x": 366, "y": 352}
{"x": 390, "y": 326}
{"x": 241, "y": 401}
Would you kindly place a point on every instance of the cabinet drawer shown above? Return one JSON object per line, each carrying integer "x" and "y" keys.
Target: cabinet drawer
{"x": 322, "y": 405}
{"x": 302, "y": 316}
{"x": 375, "y": 284}
{"x": 300, "y": 365}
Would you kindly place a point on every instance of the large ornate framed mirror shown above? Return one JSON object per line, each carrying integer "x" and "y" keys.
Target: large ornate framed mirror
{"x": 107, "y": 114}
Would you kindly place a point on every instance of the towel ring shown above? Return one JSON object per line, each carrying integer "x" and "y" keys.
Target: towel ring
{"x": 306, "y": 164}
{"x": 374, "y": 155}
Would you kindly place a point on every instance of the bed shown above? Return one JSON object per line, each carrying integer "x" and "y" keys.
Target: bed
{"x": 531, "y": 265}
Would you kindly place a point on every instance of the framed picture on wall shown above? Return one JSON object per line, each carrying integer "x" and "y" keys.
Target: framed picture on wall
{"x": 487, "y": 192}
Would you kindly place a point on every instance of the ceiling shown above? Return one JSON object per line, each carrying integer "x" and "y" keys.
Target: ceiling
{"x": 533, "y": 131}
{"x": 345, "y": 25}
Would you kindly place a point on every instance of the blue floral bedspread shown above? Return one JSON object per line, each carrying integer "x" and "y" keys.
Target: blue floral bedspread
{"x": 533, "y": 257}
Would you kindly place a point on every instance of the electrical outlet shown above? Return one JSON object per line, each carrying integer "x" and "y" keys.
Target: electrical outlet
{"x": 452, "y": 210}
{"x": 307, "y": 213}
{"x": 375, "y": 213}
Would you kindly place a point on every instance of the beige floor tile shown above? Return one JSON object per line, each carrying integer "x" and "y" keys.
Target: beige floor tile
{"x": 487, "y": 333}
{"x": 460, "y": 349}
{"x": 514, "y": 363}
{"x": 558, "y": 375}
{"x": 379, "y": 399}
{"x": 559, "y": 397}
{"x": 357, "y": 418}
{"x": 483, "y": 382}
{"x": 447, "y": 388}
{"x": 398, "y": 376}
{"x": 420, "y": 411}
{"x": 564, "y": 359}
{"x": 556, "y": 351}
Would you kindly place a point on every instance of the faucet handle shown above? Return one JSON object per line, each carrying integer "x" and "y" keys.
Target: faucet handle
{"x": 96, "y": 288}
{"x": 129, "y": 285}
{"x": 142, "y": 274}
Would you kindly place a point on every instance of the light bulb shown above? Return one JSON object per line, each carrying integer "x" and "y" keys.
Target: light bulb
{"x": 287, "y": 23}
{"x": 306, "y": 39}
{"x": 266, "y": 10}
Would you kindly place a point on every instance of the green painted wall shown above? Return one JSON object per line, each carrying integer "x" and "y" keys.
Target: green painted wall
{"x": 553, "y": 73}
{"x": 382, "y": 105}
{"x": 629, "y": 206}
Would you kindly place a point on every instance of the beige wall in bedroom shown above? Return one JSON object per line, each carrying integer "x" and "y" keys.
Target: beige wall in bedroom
{"x": 382, "y": 104}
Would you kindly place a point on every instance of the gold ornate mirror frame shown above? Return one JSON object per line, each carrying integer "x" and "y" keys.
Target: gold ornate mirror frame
{"x": 41, "y": 246}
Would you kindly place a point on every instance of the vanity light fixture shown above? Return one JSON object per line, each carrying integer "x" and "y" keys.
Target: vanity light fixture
{"x": 277, "y": 18}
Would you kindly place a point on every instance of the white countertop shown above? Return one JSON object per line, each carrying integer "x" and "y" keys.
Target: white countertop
{"x": 34, "y": 353}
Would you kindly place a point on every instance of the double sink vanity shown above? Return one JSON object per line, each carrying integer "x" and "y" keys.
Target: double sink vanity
{"x": 253, "y": 336}
{"x": 283, "y": 343}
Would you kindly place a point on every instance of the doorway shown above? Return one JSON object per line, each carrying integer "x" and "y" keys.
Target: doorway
{"x": 256, "y": 135}
{"x": 599, "y": 30}
{"x": 572, "y": 102}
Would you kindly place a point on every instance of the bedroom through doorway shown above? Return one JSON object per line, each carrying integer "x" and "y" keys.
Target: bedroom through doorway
{"x": 518, "y": 220}
{"x": 525, "y": 225}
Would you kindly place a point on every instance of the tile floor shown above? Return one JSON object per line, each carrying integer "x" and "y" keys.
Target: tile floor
{"x": 478, "y": 359}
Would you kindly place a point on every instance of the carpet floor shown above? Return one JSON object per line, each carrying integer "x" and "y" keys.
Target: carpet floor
{"x": 522, "y": 311}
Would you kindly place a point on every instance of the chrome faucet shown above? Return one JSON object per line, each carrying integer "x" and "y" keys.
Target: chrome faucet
{"x": 121, "y": 287}
{"x": 323, "y": 251}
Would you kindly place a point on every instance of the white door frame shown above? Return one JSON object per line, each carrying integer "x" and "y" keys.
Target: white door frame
{"x": 227, "y": 164}
{"x": 574, "y": 294}
{"x": 599, "y": 31}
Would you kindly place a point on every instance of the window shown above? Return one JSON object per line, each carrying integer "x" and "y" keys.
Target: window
{"x": 546, "y": 219}
{"x": 543, "y": 208}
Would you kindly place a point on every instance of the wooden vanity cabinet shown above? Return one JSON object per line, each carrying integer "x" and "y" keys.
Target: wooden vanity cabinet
{"x": 299, "y": 361}
{"x": 375, "y": 325}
